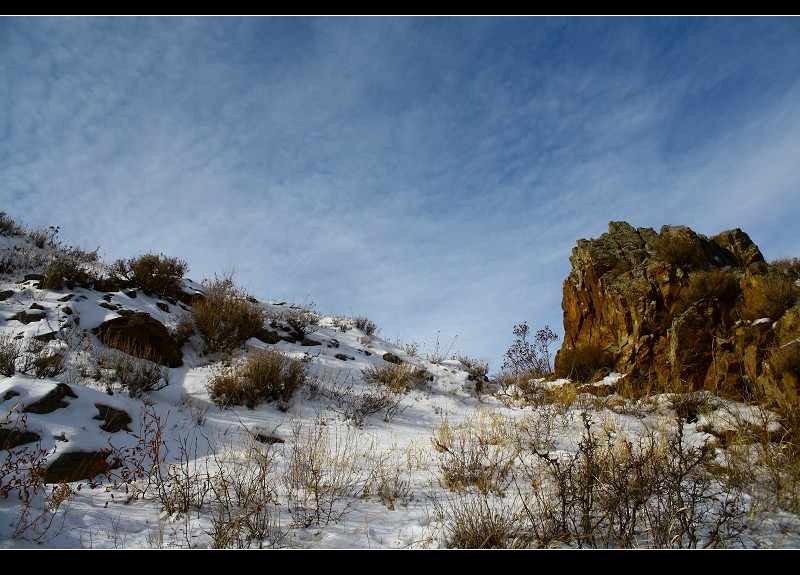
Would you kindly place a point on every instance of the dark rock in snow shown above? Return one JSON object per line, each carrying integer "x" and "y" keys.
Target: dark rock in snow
{"x": 11, "y": 438}
{"x": 78, "y": 466}
{"x": 52, "y": 401}
{"x": 115, "y": 419}
{"x": 144, "y": 336}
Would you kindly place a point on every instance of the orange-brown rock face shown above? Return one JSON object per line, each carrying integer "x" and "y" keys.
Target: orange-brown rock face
{"x": 670, "y": 306}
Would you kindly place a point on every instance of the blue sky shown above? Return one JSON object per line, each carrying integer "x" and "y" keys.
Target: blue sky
{"x": 432, "y": 174}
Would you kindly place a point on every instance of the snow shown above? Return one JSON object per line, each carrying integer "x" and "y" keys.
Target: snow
{"x": 384, "y": 471}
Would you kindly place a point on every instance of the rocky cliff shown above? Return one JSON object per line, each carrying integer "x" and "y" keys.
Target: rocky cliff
{"x": 679, "y": 310}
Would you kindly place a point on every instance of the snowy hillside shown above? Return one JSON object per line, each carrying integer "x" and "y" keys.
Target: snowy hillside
{"x": 377, "y": 447}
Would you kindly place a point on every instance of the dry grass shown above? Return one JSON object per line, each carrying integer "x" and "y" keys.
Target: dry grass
{"x": 583, "y": 363}
{"x": 678, "y": 250}
{"x": 774, "y": 293}
{"x": 132, "y": 367}
{"x": 69, "y": 267}
{"x": 710, "y": 287}
{"x": 483, "y": 521}
{"x": 790, "y": 266}
{"x": 477, "y": 453}
{"x": 225, "y": 318}
{"x": 398, "y": 377}
{"x": 365, "y": 325}
{"x": 10, "y": 351}
{"x": 155, "y": 273}
{"x": 327, "y": 470}
{"x": 8, "y": 227}
{"x": 264, "y": 375}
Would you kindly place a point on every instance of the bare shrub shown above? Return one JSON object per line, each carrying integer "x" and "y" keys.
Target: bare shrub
{"x": 10, "y": 351}
{"x": 398, "y": 377}
{"x": 326, "y": 472}
{"x": 483, "y": 521}
{"x": 616, "y": 493}
{"x": 22, "y": 474}
{"x": 8, "y": 227}
{"x": 244, "y": 509}
{"x": 156, "y": 273}
{"x": 530, "y": 357}
{"x": 69, "y": 266}
{"x": 356, "y": 405}
{"x": 365, "y": 325}
{"x": 478, "y": 453}
{"x": 787, "y": 265}
{"x": 582, "y": 363}
{"x": 773, "y": 295}
{"x": 389, "y": 482}
{"x": 264, "y": 375}
{"x": 225, "y": 318}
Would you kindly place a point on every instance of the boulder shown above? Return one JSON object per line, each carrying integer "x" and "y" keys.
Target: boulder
{"x": 53, "y": 400}
{"x": 114, "y": 419}
{"x": 143, "y": 336}
{"x": 31, "y": 316}
{"x": 10, "y": 438}
{"x": 78, "y": 466}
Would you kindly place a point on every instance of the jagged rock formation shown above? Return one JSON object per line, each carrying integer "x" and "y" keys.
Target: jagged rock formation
{"x": 681, "y": 311}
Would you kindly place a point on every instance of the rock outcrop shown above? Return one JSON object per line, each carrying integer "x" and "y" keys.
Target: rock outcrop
{"x": 680, "y": 310}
